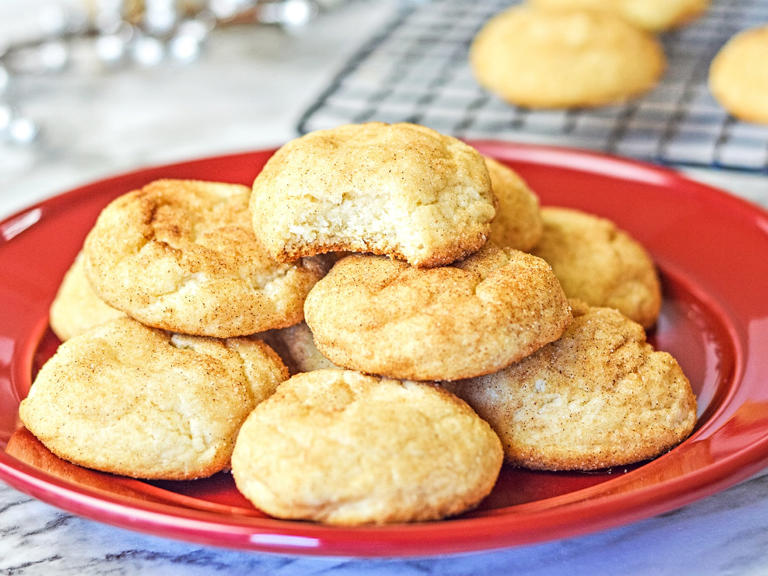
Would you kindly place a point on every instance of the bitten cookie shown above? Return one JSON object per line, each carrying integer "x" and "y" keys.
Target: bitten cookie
{"x": 296, "y": 347}
{"x": 518, "y": 222}
{"x": 76, "y": 307}
{"x": 562, "y": 59}
{"x": 181, "y": 255}
{"x": 738, "y": 76}
{"x": 600, "y": 264}
{"x": 652, "y": 15}
{"x": 598, "y": 397}
{"x": 384, "y": 317}
{"x": 400, "y": 190}
{"x": 343, "y": 448}
{"x": 132, "y": 400}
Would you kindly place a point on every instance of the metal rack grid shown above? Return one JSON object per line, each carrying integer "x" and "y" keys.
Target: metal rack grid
{"x": 417, "y": 70}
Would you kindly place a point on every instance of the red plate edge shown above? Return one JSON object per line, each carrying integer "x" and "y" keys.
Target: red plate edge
{"x": 452, "y": 536}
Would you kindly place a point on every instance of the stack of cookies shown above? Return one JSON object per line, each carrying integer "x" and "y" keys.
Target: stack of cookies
{"x": 451, "y": 324}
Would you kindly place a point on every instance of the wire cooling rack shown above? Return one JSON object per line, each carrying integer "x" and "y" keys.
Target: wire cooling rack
{"x": 417, "y": 70}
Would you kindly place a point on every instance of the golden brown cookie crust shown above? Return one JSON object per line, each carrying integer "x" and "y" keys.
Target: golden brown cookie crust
{"x": 343, "y": 448}
{"x": 181, "y": 255}
{"x": 381, "y": 316}
{"x": 651, "y": 15}
{"x": 401, "y": 190}
{"x": 599, "y": 263}
{"x": 738, "y": 76}
{"x": 600, "y": 396}
{"x": 76, "y": 307}
{"x": 137, "y": 401}
{"x": 564, "y": 58}
{"x": 518, "y": 222}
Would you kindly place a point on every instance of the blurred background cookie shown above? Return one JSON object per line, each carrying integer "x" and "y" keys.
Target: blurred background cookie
{"x": 76, "y": 307}
{"x": 343, "y": 448}
{"x": 600, "y": 396}
{"x": 738, "y": 76}
{"x": 296, "y": 346}
{"x": 181, "y": 255}
{"x": 141, "y": 402}
{"x": 541, "y": 58}
{"x": 400, "y": 190}
{"x": 600, "y": 264}
{"x": 382, "y": 316}
{"x": 652, "y": 15}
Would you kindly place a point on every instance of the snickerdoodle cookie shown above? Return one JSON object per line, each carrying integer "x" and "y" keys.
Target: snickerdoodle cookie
{"x": 738, "y": 76}
{"x": 561, "y": 59}
{"x": 181, "y": 255}
{"x": 76, "y": 307}
{"x": 400, "y": 190}
{"x": 477, "y": 316}
{"x": 518, "y": 222}
{"x": 296, "y": 347}
{"x": 599, "y": 396}
{"x": 138, "y": 401}
{"x": 652, "y": 15}
{"x": 600, "y": 264}
{"x": 343, "y": 448}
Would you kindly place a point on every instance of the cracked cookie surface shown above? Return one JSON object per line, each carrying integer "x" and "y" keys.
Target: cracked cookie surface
{"x": 599, "y": 263}
{"x": 475, "y": 317}
{"x": 599, "y": 396}
{"x": 400, "y": 190}
{"x": 138, "y": 401}
{"x": 181, "y": 255}
{"x": 343, "y": 448}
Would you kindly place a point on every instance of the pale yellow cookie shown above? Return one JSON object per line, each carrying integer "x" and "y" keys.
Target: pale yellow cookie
{"x": 563, "y": 59}
{"x": 652, "y": 15}
{"x": 518, "y": 222}
{"x": 343, "y": 448}
{"x": 181, "y": 255}
{"x": 296, "y": 346}
{"x": 738, "y": 76}
{"x": 600, "y": 396}
{"x": 400, "y": 190}
{"x": 384, "y": 317}
{"x": 137, "y": 401}
{"x": 76, "y": 307}
{"x": 600, "y": 264}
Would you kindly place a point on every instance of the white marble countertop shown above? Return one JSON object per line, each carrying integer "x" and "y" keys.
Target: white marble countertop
{"x": 247, "y": 92}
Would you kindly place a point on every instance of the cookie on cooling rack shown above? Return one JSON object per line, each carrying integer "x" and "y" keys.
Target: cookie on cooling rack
{"x": 599, "y": 396}
{"x": 343, "y": 448}
{"x": 137, "y": 401}
{"x": 477, "y": 316}
{"x": 600, "y": 264}
{"x": 738, "y": 76}
{"x": 540, "y": 58}
{"x": 76, "y": 307}
{"x": 181, "y": 255}
{"x": 400, "y": 190}
{"x": 652, "y": 15}
{"x": 518, "y": 222}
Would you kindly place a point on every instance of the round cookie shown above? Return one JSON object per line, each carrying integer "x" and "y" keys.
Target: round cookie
{"x": 600, "y": 264}
{"x": 296, "y": 347}
{"x": 518, "y": 222}
{"x": 384, "y": 317}
{"x": 738, "y": 76}
{"x": 564, "y": 59}
{"x": 181, "y": 255}
{"x": 76, "y": 307}
{"x": 600, "y": 396}
{"x": 137, "y": 401}
{"x": 651, "y": 15}
{"x": 400, "y": 190}
{"x": 343, "y": 448}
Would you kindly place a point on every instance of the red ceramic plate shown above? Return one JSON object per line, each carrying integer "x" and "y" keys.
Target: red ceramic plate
{"x": 712, "y": 253}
